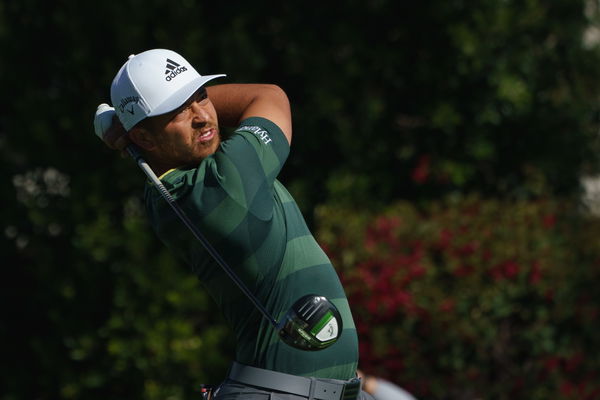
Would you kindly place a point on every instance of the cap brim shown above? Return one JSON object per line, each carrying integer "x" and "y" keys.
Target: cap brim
{"x": 180, "y": 96}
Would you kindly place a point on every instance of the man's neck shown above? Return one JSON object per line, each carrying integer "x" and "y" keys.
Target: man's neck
{"x": 157, "y": 166}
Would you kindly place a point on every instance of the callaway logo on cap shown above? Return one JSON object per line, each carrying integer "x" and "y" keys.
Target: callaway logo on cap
{"x": 153, "y": 83}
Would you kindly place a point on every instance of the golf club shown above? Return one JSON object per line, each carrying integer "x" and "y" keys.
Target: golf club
{"x": 312, "y": 323}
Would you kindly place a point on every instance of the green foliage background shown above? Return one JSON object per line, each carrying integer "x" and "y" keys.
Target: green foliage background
{"x": 392, "y": 101}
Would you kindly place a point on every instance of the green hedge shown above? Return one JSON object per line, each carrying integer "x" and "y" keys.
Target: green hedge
{"x": 469, "y": 298}
{"x": 121, "y": 318}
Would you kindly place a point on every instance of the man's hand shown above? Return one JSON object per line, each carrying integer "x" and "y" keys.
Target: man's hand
{"x": 108, "y": 128}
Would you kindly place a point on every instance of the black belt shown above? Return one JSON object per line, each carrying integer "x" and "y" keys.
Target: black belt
{"x": 311, "y": 388}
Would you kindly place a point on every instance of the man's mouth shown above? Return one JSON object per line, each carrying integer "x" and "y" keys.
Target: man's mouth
{"x": 207, "y": 135}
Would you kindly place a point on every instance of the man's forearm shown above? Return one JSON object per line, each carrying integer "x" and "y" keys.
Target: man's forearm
{"x": 234, "y": 102}
{"x": 230, "y": 101}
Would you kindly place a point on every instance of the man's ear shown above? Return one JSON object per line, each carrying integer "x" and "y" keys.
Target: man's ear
{"x": 143, "y": 138}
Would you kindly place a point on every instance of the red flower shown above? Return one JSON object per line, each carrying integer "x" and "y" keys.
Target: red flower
{"x": 566, "y": 388}
{"x": 511, "y": 269}
{"x": 421, "y": 172}
{"x": 573, "y": 362}
{"x": 468, "y": 249}
{"x": 506, "y": 270}
{"x": 549, "y": 221}
{"x": 366, "y": 354}
{"x": 393, "y": 365}
{"x": 551, "y": 363}
{"x": 445, "y": 239}
{"x": 403, "y": 298}
{"x": 382, "y": 231}
{"x": 447, "y": 305}
{"x": 535, "y": 275}
{"x": 487, "y": 255}
{"x": 417, "y": 271}
{"x": 463, "y": 270}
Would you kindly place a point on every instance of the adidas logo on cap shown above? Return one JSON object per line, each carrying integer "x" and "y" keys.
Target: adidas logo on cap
{"x": 173, "y": 69}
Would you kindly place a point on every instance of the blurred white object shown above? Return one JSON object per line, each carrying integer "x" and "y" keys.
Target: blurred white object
{"x": 103, "y": 119}
{"x": 385, "y": 390}
{"x": 591, "y": 194}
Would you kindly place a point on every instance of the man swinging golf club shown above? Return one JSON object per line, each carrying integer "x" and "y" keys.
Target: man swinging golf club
{"x": 218, "y": 204}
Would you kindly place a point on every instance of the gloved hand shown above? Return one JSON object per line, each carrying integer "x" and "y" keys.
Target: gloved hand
{"x": 108, "y": 128}
{"x": 103, "y": 119}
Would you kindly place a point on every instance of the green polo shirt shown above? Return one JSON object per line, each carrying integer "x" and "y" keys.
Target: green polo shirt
{"x": 234, "y": 198}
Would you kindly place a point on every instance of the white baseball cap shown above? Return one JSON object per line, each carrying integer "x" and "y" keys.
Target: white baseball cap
{"x": 153, "y": 83}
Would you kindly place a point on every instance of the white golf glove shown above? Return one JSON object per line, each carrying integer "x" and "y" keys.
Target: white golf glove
{"x": 103, "y": 119}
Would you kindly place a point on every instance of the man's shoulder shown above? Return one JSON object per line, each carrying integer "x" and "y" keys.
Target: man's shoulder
{"x": 264, "y": 129}
{"x": 176, "y": 181}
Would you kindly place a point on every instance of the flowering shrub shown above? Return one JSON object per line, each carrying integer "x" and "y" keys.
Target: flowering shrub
{"x": 471, "y": 298}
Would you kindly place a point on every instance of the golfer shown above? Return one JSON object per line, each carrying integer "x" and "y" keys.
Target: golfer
{"x": 228, "y": 186}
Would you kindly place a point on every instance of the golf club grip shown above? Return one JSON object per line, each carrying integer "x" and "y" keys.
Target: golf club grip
{"x": 137, "y": 156}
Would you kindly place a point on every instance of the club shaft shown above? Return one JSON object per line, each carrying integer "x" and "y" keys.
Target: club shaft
{"x": 137, "y": 156}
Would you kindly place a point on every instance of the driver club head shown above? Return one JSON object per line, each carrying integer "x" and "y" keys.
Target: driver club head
{"x": 313, "y": 323}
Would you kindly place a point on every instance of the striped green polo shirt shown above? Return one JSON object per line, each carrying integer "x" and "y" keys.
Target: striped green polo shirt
{"x": 234, "y": 198}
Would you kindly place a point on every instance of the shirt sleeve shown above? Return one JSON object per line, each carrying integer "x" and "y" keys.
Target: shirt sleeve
{"x": 248, "y": 163}
{"x": 265, "y": 138}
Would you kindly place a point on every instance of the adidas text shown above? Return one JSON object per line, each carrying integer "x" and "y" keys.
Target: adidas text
{"x": 175, "y": 72}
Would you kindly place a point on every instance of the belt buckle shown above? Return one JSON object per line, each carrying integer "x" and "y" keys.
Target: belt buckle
{"x": 351, "y": 389}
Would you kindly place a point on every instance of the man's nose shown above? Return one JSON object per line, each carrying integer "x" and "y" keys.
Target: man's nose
{"x": 200, "y": 113}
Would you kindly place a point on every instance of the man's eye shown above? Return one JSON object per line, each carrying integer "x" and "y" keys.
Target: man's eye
{"x": 201, "y": 95}
{"x": 180, "y": 112}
